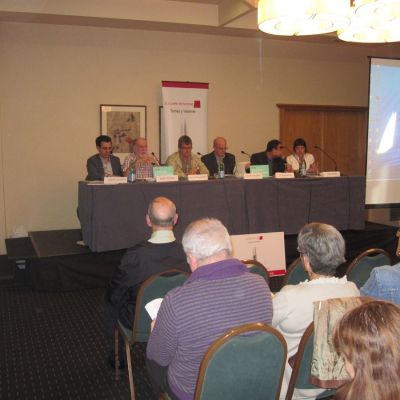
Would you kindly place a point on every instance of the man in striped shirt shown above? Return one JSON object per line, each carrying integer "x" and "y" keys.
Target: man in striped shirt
{"x": 220, "y": 294}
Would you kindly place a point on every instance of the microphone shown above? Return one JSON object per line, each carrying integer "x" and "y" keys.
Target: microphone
{"x": 247, "y": 154}
{"x": 152, "y": 153}
{"x": 330, "y": 157}
{"x": 199, "y": 154}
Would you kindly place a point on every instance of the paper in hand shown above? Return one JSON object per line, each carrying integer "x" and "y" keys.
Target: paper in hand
{"x": 153, "y": 306}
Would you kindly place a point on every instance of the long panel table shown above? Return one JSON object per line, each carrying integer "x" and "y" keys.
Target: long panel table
{"x": 113, "y": 216}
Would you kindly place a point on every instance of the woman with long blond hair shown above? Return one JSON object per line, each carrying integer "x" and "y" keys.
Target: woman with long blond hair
{"x": 369, "y": 339}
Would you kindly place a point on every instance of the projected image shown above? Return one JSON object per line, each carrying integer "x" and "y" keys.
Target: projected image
{"x": 383, "y": 158}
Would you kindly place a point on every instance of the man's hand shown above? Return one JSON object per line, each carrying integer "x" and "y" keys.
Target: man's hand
{"x": 152, "y": 325}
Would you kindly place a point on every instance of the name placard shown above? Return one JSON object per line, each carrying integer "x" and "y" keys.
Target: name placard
{"x": 162, "y": 171}
{"x": 115, "y": 180}
{"x": 167, "y": 178}
{"x": 263, "y": 169}
{"x": 284, "y": 175}
{"x": 253, "y": 175}
{"x": 198, "y": 177}
{"x": 330, "y": 174}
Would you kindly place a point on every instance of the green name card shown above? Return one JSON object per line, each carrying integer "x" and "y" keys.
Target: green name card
{"x": 163, "y": 171}
{"x": 264, "y": 169}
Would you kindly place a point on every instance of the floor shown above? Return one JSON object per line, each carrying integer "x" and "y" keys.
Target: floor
{"x": 52, "y": 347}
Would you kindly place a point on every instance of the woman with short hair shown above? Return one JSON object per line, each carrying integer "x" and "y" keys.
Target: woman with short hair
{"x": 299, "y": 154}
{"x": 322, "y": 250}
{"x": 369, "y": 337}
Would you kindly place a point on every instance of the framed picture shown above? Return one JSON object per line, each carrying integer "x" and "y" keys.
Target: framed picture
{"x": 123, "y": 123}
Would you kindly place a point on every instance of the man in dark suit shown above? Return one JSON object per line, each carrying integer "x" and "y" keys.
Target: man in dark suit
{"x": 272, "y": 157}
{"x": 219, "y": 155}
{"x": 104, "y": 163}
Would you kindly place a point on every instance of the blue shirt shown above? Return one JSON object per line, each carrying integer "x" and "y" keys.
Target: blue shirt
{"x": 384, "y": 283}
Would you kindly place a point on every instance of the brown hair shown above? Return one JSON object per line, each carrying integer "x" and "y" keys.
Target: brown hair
{"x": 369, "y": 337}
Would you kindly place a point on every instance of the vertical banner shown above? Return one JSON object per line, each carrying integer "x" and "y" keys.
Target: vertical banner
{"x": 184, "y": 113}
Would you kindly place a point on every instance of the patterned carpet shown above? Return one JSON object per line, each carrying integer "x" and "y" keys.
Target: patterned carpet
{"x": 52, "y": 347}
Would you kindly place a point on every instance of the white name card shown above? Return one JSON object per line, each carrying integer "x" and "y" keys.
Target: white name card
{"x": 253, "y": 175}
{"x": 330, "y": 174}
{"x": 198, "y": 177}
{"x": 115, "y": 180}
{"x": 166, "y": 178}
{"x": 284, "y": 175}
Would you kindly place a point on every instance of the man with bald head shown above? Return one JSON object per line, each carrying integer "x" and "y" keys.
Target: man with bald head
{"x": 219, "y": 155}
{"x": 143, "y": 162}
{"x": 157, "y": 254}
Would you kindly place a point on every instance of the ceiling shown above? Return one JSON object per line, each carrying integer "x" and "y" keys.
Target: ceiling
{"x": 216, "y": 17}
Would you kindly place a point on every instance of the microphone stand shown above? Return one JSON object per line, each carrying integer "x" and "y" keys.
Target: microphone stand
{"x": 324, "y": 152}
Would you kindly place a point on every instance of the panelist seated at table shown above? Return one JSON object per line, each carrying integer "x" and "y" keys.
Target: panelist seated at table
{"x": 143, "y": 162}
{"x": 218, "y": 156}
{"x": 183, "y": 161}
{"x": 104, "y": 163}
{"x": 299, "y": 154}
{"x": 272, "y": 157}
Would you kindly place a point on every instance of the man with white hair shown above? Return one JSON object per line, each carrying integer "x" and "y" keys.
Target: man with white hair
{"x": 220, "y": 294}
{"x": 142, "y": 161}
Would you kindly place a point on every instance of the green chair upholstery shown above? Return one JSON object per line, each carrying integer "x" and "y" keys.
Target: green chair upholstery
{"x": 256, "y": 267}
{"x": 245, "y": 363}
{"x": 156, "y": 286}
{"x": 295, "y": 273}
{"x": 300, "y": 378}
{"x": 360, "y": 268}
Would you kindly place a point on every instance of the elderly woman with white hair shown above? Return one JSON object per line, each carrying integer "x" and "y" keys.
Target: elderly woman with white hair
{"x": 322, "y": 250}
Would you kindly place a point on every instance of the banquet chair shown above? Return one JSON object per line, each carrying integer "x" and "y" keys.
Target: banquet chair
{"x": 154, "y": 287}
{"x": 360, "y": 268}
{"x": 256, "y": 267}
{"x": 247, "y": 362}
{"x": 300, "y": 377}
{"x": 295, "y": 273}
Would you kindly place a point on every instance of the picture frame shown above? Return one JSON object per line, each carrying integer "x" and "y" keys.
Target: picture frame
{"x": 123, "y": 123}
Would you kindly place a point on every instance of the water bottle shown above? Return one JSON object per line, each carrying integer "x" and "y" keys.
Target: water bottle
{"x": 132, "y": 172}
{"x": 303, "y": 168}
{"x": 221, "y": 170}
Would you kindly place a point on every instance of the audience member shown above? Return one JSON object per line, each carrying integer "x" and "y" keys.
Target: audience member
{"x": 220, "y": 294}
{"x": 218, "y": 156}
{"x": 369, "y": 337}
{"x": 322, "y": 250}
{"x": 383, "y": 283}
{"x": 183, "y": 161}
{"x": 104, "y": 163}
{"x": 159, "y": 253}
{"x": 272, "y": 157}
{"x": 300, "y": 153}
{"x": 143, "y": 162}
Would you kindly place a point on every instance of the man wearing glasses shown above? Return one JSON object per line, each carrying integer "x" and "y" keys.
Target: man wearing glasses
{"x": 272, "y": 157}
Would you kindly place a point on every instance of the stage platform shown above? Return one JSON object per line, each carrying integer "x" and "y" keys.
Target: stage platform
{"x": 55, "y": 262}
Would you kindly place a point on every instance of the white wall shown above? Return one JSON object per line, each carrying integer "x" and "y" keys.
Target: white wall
{"x": 53, "y": 79}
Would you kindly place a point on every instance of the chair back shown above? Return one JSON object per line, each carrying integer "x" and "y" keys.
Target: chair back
{"x": 360, "y": 268}
{"x": 156, "y": 286}
{"x": 295, "y": 273}
{"x": 245, "y": 363}
{"x": 300, "y": 377}
{"x": 256, "y": 267}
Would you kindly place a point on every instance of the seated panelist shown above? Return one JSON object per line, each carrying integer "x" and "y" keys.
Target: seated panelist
{"x": 272, "y": 157}
{"x": 219, "y": 155}
{"x": 183, "y": 161}
{"x": 104, "y": 163}
{"x": 143, "y": 162}
{"x": 299, "y": 154}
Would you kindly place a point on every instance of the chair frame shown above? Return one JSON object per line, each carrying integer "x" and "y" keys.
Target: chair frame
{"x": 366, "y": 253}
{"x": 226, "y": 337}
{"x": 290, "y": 269}
{"x": 298, "y": 360}
{"x": 130, "y": 341}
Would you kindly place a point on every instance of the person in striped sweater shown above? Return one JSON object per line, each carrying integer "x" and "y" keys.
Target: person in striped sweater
{"x": 219, "y": 295}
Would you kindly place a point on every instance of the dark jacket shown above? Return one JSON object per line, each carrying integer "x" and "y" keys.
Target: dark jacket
{"x": 210, "y": 162}
{"x": 95, "y": 168}
{"x": 277, "y": 164}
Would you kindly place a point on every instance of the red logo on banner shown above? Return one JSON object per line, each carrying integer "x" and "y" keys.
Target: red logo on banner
{"x": 196, "y": 104}
{"x": 261, "y": 237}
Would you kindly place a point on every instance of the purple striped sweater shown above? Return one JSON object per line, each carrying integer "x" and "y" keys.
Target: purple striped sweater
{"x": 215, "y": 298}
